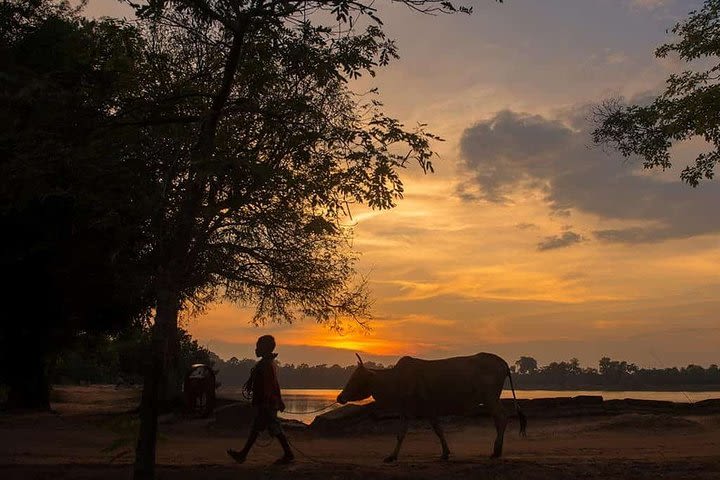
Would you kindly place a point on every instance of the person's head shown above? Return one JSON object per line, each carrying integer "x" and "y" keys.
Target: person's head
{"x": 265, "y": 346}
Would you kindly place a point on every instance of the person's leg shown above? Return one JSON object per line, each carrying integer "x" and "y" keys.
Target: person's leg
{"x": 257, "y": 426}
{"x": 276, "y": 431}
{"x": 240, "y": 456}
{"x": 288, "y": 455}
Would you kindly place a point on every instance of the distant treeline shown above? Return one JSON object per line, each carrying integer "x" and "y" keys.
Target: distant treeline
{"x": 235, "y": 372}
{"x": 119, "y": 359}
{"x": 610, "y": 374}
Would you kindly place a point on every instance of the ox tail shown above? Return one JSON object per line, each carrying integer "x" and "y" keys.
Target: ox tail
{"x": 520, "y": 414}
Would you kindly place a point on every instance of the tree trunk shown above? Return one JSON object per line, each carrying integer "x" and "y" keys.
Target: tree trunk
{"x": 171, "y": 389}
{"x": 165, "y": 328}
{"x": 162, "y": 333}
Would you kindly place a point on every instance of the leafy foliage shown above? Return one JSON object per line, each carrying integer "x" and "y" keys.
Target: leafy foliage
{"x": 70, "y": 207}
{"x": 688, "y": 108}
{"x": 118, "y": 358}
{"x": 262, "y": 149}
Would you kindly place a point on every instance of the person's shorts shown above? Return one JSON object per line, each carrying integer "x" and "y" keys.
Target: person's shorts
{"x": 267, "y": 419}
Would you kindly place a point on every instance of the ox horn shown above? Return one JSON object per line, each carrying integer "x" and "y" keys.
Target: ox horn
{"x": 359, "y": 360}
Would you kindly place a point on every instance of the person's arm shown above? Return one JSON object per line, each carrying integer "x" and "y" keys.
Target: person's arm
{"x": 281, "y": 404}
{"x": 271, "y": 387}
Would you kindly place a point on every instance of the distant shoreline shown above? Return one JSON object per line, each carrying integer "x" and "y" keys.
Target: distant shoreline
{"x": 628, "y": 388}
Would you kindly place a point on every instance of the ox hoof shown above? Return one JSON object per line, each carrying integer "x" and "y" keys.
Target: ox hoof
{"x": 495, "y": 455}
{"x": 445, "y": 457}
{"x": 390, "y": 459}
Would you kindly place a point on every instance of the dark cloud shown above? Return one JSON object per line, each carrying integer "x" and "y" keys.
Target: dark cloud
{"x": 565, "y": 240}
{"x": 513, "y": 150}
{"x": 512, "y": 162}
{"x": 525, "y": 226}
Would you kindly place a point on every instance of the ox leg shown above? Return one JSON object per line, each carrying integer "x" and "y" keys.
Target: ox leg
{"x": 400, "y": 437}
{"x": 500, "y": 419}
{"x": 439, "y": 432}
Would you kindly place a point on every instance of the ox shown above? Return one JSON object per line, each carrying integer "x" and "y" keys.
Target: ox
{"x": 432, "y": 388}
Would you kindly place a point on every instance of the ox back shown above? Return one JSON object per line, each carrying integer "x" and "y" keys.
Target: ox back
{"x": 432, "y": 388}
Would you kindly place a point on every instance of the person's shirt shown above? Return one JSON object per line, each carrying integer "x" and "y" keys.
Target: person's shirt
{"x": 266, "y": 388}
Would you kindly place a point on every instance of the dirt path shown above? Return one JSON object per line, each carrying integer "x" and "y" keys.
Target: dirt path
{"x": 74, "y": 445}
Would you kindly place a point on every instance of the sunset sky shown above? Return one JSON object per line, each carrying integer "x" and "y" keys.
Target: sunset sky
{"x": 527, "y": 240}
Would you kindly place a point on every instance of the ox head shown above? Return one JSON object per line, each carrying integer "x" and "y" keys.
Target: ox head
{"x": 358, "y": 387}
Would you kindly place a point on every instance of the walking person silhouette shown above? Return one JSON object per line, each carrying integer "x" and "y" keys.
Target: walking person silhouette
{"x": 267, "y": 401}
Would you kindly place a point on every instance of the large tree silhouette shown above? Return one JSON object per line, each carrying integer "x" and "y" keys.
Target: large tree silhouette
{"x": 262, "y": 148}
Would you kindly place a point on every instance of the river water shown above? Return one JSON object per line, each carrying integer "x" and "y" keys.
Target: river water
{"x": 306, "y": 401}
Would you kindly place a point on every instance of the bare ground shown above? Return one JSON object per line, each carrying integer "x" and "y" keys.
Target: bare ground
{"x": 87, "y": 436}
